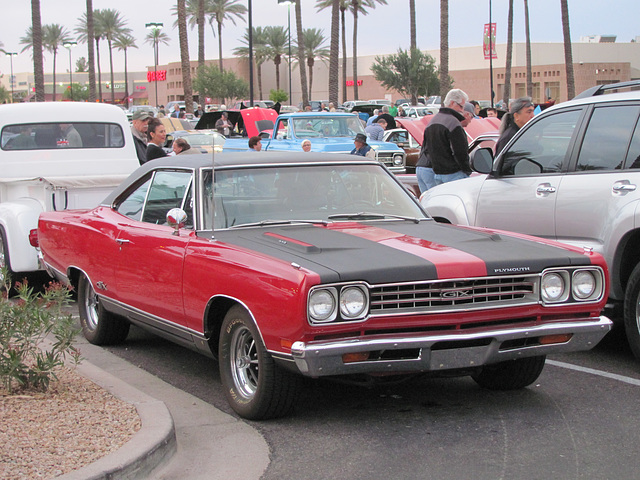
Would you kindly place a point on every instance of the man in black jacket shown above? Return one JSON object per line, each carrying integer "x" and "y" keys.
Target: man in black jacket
{"x": 140, "y": 123}
{"x": 445, "y": 146}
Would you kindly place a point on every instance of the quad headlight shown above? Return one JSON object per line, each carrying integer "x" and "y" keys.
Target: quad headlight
{"x": 338, "y": 303}
{"x": 553, "y": 287}
{"x": 575, "y": 285}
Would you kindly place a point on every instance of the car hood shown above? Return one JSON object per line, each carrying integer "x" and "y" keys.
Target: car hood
{"x": 401, "y": 251}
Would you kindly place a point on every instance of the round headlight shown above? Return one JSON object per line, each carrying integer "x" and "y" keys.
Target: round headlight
{"x": 584, "y": 284}
{"x": 353, "y": 302}
{"x": 322, "y": 305}
{"x": 552, "y": 287}
{"x": 397, "y": 159}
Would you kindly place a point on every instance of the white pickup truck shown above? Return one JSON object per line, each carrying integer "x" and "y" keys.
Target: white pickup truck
{"x": 56, "y": 156}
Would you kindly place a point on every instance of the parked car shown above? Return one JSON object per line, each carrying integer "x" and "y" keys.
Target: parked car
{"x": 56, "y": 156}
{"x": 202, "y": 141}
{"x": 317, "y": 265}
{"x": 419, "y": 111}
{"x": 570, "y": 174}
{"x": 348, "y": 106}
{"x": 174, "y": 105}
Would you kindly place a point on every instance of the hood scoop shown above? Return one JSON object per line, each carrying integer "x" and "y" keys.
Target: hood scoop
{"x": 288, "y": 242}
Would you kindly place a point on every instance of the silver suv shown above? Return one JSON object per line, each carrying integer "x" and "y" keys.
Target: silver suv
{"x": 571, "y": 174}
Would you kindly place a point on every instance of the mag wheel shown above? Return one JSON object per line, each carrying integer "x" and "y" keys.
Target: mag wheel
{"x": 510, "y": 375}
{"x": 99, "y": 326}
{"x": 254, "y": 385}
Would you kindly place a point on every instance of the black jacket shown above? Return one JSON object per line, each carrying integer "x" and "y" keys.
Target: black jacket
{"x": 154, "y": 151}
{"x": 445, "y": 143}
{"x": 507, "y": 135}
{"x": 141, "y": 149}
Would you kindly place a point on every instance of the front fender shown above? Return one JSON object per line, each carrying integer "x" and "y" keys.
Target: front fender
{"x": 17, "y": 219}
{"x": 449, "y": 208}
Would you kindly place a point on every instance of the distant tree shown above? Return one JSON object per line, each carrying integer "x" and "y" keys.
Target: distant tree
{"x": 82, "y": 31}
{"x": 334, "y": 53}
{"x": 220, "y": 11}
{"x": 412, "y": 24}
{"x": 124, "y": 42}
{"x": 527, "y": 36}
{"x": 36, "y": 42}
{"x": 358, "y": 6}
{"x": 195, "y": 12}
{"x": 506, "y": 94}
{"x": 111, "y": 24}
{"x": 278, "y": 95}
{"x": 211, "y": 82}
{"x": 5, "y": 95}
{"x": 568, "y": 54}
{"x": 156, "y": 35}
{"x": 184, "y": 57}
{"x": 445, "y": 82}
{"x": 301, "y": 55}
{"x": 314, "y": 48}
{"x": 89, "y": 25}
{"x": 53, "y": 36}
{"x": 411, "y": 73}
{"x": 81, "y": 65}
{"x": 277, "y": 39}
{"x": 80, "y": 93}
{"x": 260, "y": 51}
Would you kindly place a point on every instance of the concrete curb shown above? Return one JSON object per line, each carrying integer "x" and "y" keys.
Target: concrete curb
{"x": 153, "y": 445}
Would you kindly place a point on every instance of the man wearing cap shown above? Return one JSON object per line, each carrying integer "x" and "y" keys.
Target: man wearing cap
{"x": 140, "y": 123}
{"x": 362, "y": 148}
{"x": 520, "y": 112}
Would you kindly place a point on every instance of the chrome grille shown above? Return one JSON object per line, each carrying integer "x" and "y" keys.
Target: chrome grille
{"x": 440, "y": 296}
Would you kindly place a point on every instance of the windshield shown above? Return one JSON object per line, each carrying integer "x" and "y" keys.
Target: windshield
{"x": 323, "y": 192}
{"x": 327, "y": 126}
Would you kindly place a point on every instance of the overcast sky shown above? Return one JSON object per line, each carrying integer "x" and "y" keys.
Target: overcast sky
{"x": 383, "y": 30}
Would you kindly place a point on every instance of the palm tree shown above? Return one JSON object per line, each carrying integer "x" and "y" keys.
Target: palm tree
{"x": 195, "y": 11}
{"x": 111, "y": 24}
{"x": 358, "y": 6}
{"x": 314, "y": 48}
{"x": 334, "y": 87}
{"x": 53, "y": 36}
{"x": 277, "y": 38}
{"x": 200, "y": 22}
{"x": 92, "y": 63}
{"x": 184, "y": 56}
{"x": 36, "y": 38}
{"x": 123, "y": 42}
{"x": 82, "y": 31}
{"x": 444, "y": 48}
{"x": 301, "y": 55}
{"x": 260, "y": 51}
{"x": 528, "y": 49}
{"x": 156, "y": 35}
{"x": 506, "y": 94}
{"x": 221, "y": 10}
{"x": 412, "y": 23}
{"x": 343, "y": 5}
{"x": 568, "y": 55}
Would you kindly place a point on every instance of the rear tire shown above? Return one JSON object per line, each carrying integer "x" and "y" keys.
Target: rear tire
{"x": 4, "y": 260}
{"x": 510, "y": 375}
{"x": 99, "y": 326}
{"x": 632, "y": 311}
{"x": 255, "y": 387}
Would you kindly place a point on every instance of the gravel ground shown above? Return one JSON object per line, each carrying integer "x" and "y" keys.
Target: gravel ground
{"x": 44, "y": 435}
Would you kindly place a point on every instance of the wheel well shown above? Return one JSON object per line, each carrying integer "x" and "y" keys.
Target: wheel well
{"x": 627, "y": 257}
{"x": 214, "y": 315}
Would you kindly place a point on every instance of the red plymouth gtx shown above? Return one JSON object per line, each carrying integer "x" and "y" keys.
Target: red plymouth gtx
{"x": 317, "y": 265}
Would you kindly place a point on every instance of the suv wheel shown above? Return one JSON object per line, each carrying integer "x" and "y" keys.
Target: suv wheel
{"x": 632, "y": 311}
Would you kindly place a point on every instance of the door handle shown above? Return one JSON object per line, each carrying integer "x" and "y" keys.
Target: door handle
{"x": 545, "y": 189}
{"x": 623, "y": 187}
{"x": 122, "y": 241}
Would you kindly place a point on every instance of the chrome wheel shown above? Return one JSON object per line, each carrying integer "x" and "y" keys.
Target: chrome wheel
{"x": 244, "y": 362}
{"x": 90, "y": 306}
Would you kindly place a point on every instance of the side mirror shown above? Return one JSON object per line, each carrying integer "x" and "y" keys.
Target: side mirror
{"x": 176, "y": 218}
{"x": 481, "y": 160}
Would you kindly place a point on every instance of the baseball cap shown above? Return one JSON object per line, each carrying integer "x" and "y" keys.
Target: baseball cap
{"x": 360, "y": 137}
{"x": 141, "y": 115}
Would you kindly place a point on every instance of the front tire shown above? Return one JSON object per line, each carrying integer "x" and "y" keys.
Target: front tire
{"x": 632, "y": 311}
{"x": 510, "y": 375}
{"x": 99, "y": 326}
{"x": 255, "y": 387}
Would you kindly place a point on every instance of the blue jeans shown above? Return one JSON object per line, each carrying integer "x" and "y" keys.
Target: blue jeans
{"x": 425, "y": 178}
{"x": 438, "y": 179}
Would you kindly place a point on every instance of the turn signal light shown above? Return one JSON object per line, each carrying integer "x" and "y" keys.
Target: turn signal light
{"x": 355, "y": 357}
{"x": 33, "y": 237}
{"x": 551, "y": 339}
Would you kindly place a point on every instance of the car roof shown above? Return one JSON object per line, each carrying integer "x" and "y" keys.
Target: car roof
{"x": 586, "y": 100}
{"x": 239, "y": 159}
{"x": 61, "y": 112}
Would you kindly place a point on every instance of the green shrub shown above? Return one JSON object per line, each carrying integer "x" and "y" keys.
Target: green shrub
{"x": 27, "y": 361}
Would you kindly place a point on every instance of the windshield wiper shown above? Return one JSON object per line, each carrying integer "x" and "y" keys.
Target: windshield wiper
{"x": 374, "y": 216}
{"x": 267, "y": 223}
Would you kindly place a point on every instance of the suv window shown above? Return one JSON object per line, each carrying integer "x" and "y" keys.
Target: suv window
{"x": 543, "y": 147}
{"x": 607, "y": 138}
{"x": 45, "y": 136}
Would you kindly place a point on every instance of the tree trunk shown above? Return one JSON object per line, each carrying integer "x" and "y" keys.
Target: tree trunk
{"x": 54, "y": 74}
{"x": 506, "y": 94}
{"x": 412, "y": 21}
{"x": 528, "y": 49}
{"x": 444, "y": 48}
{"x": 344, "y": 55}
{"x": 335, "y": 53}
{"x": 38, "y": 69}
{"x": 310, "y": 63}
{"x": 259, "y": 73}
{"x": 113, "y": 90}
{"x": 91, "y": 53}
{"x": 200, "y": 23}
{"x": 126, "y": 81}
{"x": 356, "y": 4}
{"x": 220, "y": 46}
{"x": 99, "y": 69}
{"x": 277, "y": 61}
{"x": 301, "y": 56}
{"x": 184, "y": 57}
{"x": 568, "y": 55}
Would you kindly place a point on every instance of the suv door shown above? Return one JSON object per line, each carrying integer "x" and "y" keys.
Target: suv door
{"x": 521, "y": 194}
{"x": 600, "y": 193}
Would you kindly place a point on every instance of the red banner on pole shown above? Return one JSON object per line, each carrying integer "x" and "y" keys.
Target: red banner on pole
{"x": 489, "y": 41}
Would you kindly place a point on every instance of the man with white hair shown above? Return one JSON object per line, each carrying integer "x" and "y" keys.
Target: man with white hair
{"x": 445, "y": 149}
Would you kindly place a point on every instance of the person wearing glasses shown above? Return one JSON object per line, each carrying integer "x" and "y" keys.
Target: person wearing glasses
{"x": 445, "y": 150}
{"x": 520, "y": 112}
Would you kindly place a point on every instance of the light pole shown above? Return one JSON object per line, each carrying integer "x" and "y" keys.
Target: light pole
{"x": 155, "y": 27}
{"x": 288, "y": 4}
{"x": 11, "y": 80}
{"x": 69, "y": 46}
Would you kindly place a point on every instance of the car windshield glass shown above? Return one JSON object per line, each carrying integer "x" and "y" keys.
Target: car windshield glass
{"x": 203, "y": 139}
{"x": 327, "y": 126}
{"x": 46, "y": 136}
{"x": 322, "y": 193}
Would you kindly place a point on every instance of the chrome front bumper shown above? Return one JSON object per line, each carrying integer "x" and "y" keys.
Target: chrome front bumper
{"x": 448, "y": 351}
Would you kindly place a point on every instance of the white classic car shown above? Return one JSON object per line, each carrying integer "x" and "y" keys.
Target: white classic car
{"x": 56, "y": 156}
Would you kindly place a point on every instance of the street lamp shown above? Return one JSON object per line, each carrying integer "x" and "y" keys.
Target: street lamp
{"x": 11, "y": 80}
{"x": 155, "y": 27}
{"x": 69, "y": 46}
{"x": 288, "y": 4}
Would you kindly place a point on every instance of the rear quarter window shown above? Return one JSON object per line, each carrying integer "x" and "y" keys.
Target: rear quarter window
{"x": 49, "y": 136}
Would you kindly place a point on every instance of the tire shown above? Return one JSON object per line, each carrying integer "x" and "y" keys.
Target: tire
{"x": 632, "y": 311}
{"x": 255, "y": 387}
{"x": 510, "y": 375}
{"x": 4, "y": 260}
{"x": 99, "y": 326}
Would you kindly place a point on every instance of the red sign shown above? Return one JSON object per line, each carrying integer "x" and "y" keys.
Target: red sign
{"x": 489, "y": 41}
{"x": 349, "y": 83}
{"x": 157, "y": 76}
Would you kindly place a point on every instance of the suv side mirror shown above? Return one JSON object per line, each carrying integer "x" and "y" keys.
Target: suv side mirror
{"x": 481, "y": 160}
